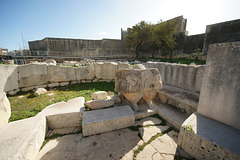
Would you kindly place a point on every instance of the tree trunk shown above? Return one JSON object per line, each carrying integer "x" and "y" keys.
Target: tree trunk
{"x": 136, "y": 52}
{"x": 171, "y": 54}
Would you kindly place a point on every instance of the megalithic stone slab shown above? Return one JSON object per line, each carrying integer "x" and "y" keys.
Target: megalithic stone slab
{"x": 104, "y": 120}
{"x": 5, "y": 109}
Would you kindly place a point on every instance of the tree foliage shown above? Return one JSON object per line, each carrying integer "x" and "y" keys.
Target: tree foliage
{"x": 158, "y": 36}
{"x": 139, "y": 34}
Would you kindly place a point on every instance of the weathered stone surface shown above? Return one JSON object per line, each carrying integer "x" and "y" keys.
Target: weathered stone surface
{"x": 28, "y": 88}
{"x": 64, "y": 114}
{"x": 32, "y": 74}
{"x": 148, "y": 132}
{"x": 53, "y": 85}
{"x": 220, "y": 92}
{"x": 98, "y": 104}
{"x": 134, "y": 98}
{"x": 139, "y": 66}
{"x": 116, "y": 99}
{"x": 85, "y": 73}
{"x": 134, "y": 81}
{"x": 63, "y": 83}
{"x": 99, "y": 121}
{"x": 100, "y": 95}
{"x": 106, "y": 71}
{"x": 13, "y": 92}
{"x": 9, "y": 77}
{"x": 22, "y": 139}
{"x": 149, "y": 153}
{"x": 5, "y": 109}
{"x": 148, "y": 121}
{"x": 123, "y": 66}
{"x": 60, "y": 74}
{"x": 51, "y": 62}
{"x": 74, "y": 82}
{"x": 41, "y": 86}
{"x": 40, "y": 91}
{"x": 102, "y": 146}
{"x": 208, "y": 139}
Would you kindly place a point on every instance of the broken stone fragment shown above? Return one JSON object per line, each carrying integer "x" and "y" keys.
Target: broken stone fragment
{"x": 5, "y": 109}
{"x": 116, "y": 99}
{"x": 98, "y": 104}
{"x": 40, "y": 91}
{"x": 100, "y": 95}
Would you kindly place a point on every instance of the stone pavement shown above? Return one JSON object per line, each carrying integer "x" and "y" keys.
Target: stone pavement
{"x": 150, "y": 138}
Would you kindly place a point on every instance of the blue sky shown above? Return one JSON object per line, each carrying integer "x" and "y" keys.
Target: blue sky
{"x": 97, "y": 19}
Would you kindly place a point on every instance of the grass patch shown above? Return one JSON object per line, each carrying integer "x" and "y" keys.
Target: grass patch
{"x": 26, "y": 104}
{"x": 181, "y": 61}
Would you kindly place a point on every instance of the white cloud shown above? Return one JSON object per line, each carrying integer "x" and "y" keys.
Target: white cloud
{"x": 102, "y": 33}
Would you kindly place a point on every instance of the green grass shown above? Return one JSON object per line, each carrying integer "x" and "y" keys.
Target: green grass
{"x": 26, "y": 104}
{"x": 181, "y": 60}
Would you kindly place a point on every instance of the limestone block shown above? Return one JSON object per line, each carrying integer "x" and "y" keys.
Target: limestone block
{"x": 64, "y": 114}
{"x": 40, "y": 91}
{"x": 53, "y": 85}
{"x": 51, "y": 62}
{"x": 134, "y": 98}
{"x": 123, "y": 66}
{"x": 116, "y": 99}
{"x": 5, "y": 109}
{"x": 28, "y": 88}
{"x": 106, "y": 71}
{"x": 9, "y": 77}
{"x": 98, "y": 104}
{"x": 100, "y": 95}
{"x": 32, "y": 74}
{"x": 134, "y": 81}
{"x": 41, "y": 86}
{"x": 59, "y": 74}
{"x": 64, "y": 84}
{"x": 220, "y": 91}
{"x": 85, "y": 73}
{"x": 139, "y": 66}
{"x": 13, "y": 92}
{"x": 74, "y": 82}
{"x": 104, "y": 120}
{"x": 22, "y": 139}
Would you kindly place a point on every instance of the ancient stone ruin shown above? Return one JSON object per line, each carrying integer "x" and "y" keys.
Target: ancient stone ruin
{"x": 175, "y": 111}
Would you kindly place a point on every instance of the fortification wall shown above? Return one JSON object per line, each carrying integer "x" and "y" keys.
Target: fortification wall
{"x": 222, "y": 32}
{"x": 193, "y": 43}
{"x": 60, "y": 47}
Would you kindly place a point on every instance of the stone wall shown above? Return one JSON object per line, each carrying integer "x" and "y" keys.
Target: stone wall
{"x": 179, "y": 75}
{"x": 80, "y": 48}
{"x": 193, "y": 43}
{"x": 222, "y": 32}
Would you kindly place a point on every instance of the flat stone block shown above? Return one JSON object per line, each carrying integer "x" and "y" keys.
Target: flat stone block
{"x": 5, "y": 109}
{"x": 60, "y": 74}
{"x": 9, "y": 77}
{"x": 22, "y": 139}
{"x": 104, "y": 120}
{"x": 53, "y": 85}
{"x": 64, "y": 114}
{"x": 204, "y": 138}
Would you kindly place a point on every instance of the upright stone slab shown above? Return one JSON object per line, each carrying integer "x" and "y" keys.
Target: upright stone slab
{"x": 9, "y": 77}
{"x": 32, "y": 75}
{"x": 85, "y": 73}
{"x": 220, "y": 92}
{"x": 106, "y": 71}
{"x": 5, "y": 109}
{"x": 214, "y": 131}
{"x": 60, "y": 74}
{"x": 104, "y": 120}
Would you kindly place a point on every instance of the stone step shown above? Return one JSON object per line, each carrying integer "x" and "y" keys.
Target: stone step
{"x": 183, "y": 100}
{"x": 64, "y": 114}
{"x": 22, "y": 139}
{"x": 144, "y": 111}
{"x": 104, "y": 120}
{"x": 170, "y": 114}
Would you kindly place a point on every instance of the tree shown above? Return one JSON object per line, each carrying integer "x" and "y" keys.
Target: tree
{"x": 139, "y": 34}
{"x": 163, "y": 35}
